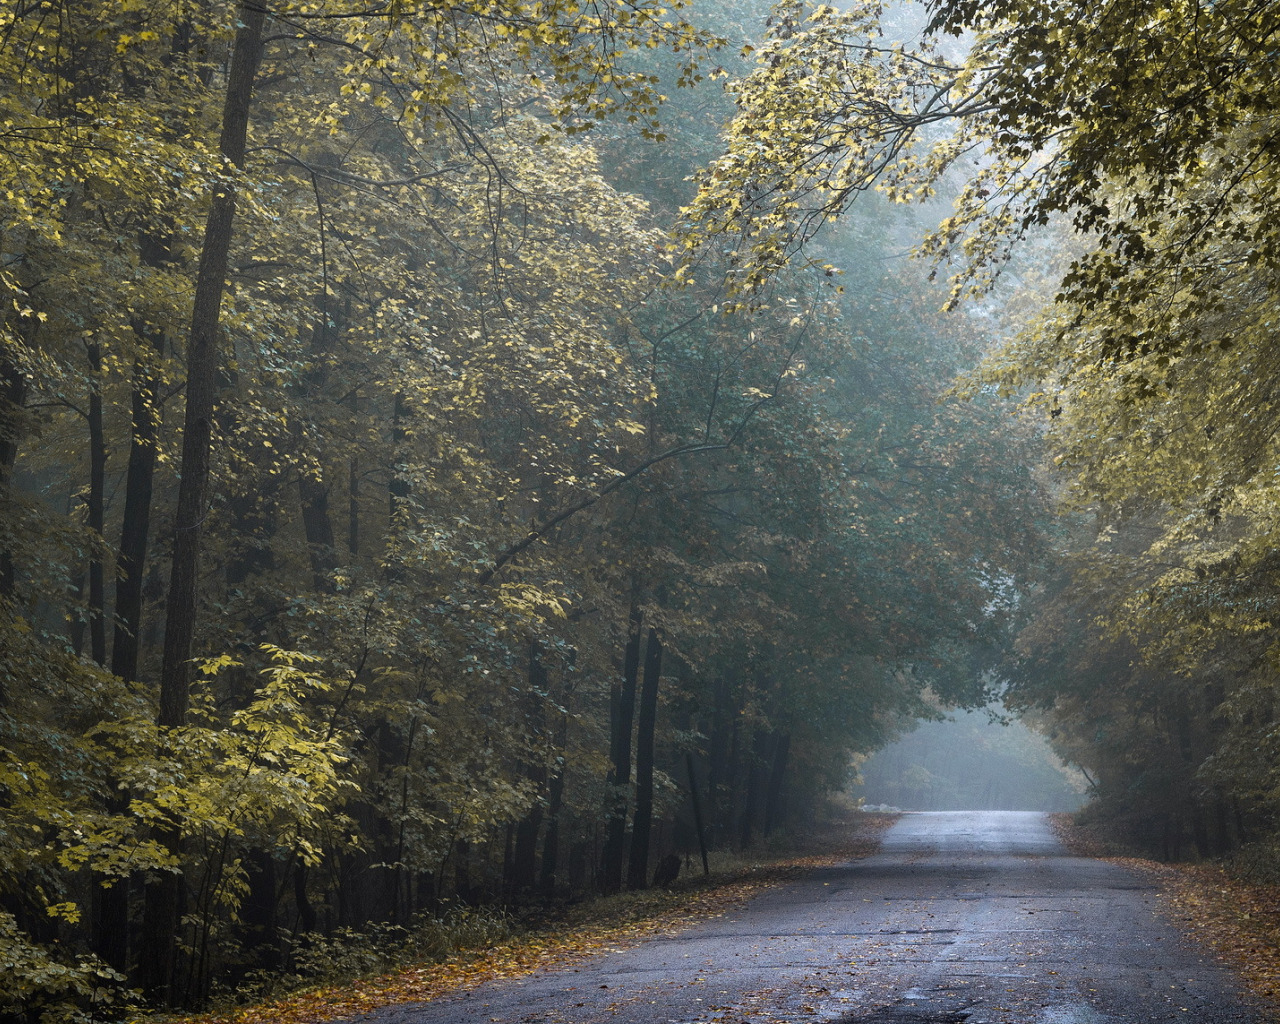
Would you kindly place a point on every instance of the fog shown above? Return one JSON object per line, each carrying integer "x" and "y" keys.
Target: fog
{"x": 969, "y": 762}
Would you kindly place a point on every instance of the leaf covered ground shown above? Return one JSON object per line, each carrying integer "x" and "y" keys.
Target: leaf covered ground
{"x": 1237, "y": 919}
{"x": 575, "y": 933}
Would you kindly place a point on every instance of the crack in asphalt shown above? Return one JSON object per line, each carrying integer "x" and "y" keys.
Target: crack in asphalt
{"x": 961, "y": 918}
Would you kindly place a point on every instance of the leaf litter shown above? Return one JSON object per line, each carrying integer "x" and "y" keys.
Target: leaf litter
{"x": 1238, "y": 920}
{"x": 577, "y": 933}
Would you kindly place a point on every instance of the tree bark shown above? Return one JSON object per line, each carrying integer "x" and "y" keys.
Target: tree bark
{"x": 774, "y": 807}
{"x": 135, "y": 529}
{"x": 696, "y": 801}
{"x": 202, "y": 375}
{"x": 353, "y": 489}
{"x": 642, "y": 825}
{"x": 398, "y": 489}
{"x": 97, "y": 508}
{"x": 318, "y": 525}
{"x": 524, "y": 866}
{"x": 622, "y": 703}
{"x": 13, "y": 397}
{"x": 751, "y": 800}
{"x": 555, "y": 803}
{"x": 111, "y": 924}
{"x": 164, "y": 897}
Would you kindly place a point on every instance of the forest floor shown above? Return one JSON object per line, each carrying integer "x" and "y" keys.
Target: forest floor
{"x": 1238, "y": 920}
{"x": 578, "y": 931}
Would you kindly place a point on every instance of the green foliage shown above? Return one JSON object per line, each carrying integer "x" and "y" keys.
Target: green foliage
{"x": 41, "y": 984}
{"x": 468, "y": 437}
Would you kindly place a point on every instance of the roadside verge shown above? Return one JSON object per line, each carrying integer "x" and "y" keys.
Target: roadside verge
{"x": 580, "y": 931}
{"x": 1239, "y": 921}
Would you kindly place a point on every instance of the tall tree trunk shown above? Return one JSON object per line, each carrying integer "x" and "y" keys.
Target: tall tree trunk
{"x": 622, "y": 704}
{"x": 136, "y": 526}
{"x": 774, "y": 806}
{"x": 353, "y": 489}
{"x": 164, "y": 897}
{"x": 111, "y": 924}
{"x": 398, "y": 489}
{"x": 721, "y": 752}
{"x": 755, "y": 780}
{"x": 638, "y": 866}
{"x": 318, "y": 525}
{"x": 696, "y": 801}
{"x": 97, "y": 508}
{"x": 313, "y": 489}
{"x": 13, "y": 397}
{"x": 555, "y": 803}
{"x": 524, "y": 866}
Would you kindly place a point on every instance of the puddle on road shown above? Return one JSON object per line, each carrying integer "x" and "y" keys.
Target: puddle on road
{"x": 1072, "y": 1013}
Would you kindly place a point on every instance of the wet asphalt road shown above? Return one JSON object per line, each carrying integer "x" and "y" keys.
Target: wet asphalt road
{"x": 962, "y": 917}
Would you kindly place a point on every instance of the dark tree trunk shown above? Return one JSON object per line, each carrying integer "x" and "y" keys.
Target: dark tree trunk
{"x": 306, "y": 911}
{"x": 555, "y": 803}
{"x": 96, "y": 508}
{"x": 721, "y": 752}
{"x": 524, "y": 865}
{"x": 696, "y": 801}
{"x": 1200, "y": 831}
{"x": 313, "y": 490}
{"x": 775, "y": 806}
{"x": 398, "y": 490}
{"x": 318, "y": 525}
{"x": 111, "y": 923}
{"x": 641, "y": 828}
{"x": 164, "y": 897}
{"x": 258, "y": 912}
{"x": 622, "y": 703}
{"x": 462, "y": 887}
{"x": 202, "y": 376}
{"x": 13, "y": 397}
{"x": 353, "y": 490}
{"x": 755, "y": 782}
{"x": 1222, "y": 826}
{"x": 135, "y": 528}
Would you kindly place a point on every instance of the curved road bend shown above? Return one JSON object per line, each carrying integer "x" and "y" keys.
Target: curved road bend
{"x": 961, "y": 917}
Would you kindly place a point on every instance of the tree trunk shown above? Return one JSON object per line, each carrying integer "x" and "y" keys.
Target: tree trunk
{"x": 638, "y": 866}
{"x": 622, "y": 703}
{"x": 524, "y": 865}
{"x": 755, "y": 780}
{"x": 135, "y": 528}
{"x": 258, "y": 923}
{"x": 774, "y": 806}
{"x": 164, "y": 897}
{"x": 13, "y": 397}
{"x": 97, "y": 508}
{"x": 696, "y": 801}
{"x": 398, "y": 489}
{"x": 313, "y": 490}
{"x": 111, "y": 903}
{"x": 353, "y": 489}
{"x": 555, "y": 803}
{"x": 318, "y": 525}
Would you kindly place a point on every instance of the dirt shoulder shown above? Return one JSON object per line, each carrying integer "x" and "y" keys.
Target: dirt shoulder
{"x": 1239, "y": 921}
{"x": 581, "y": 931}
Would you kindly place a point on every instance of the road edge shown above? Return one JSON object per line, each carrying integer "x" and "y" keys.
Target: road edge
{"x": 626, "y": 921}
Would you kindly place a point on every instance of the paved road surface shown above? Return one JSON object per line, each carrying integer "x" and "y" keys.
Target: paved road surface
{"x": 962, "y": 917}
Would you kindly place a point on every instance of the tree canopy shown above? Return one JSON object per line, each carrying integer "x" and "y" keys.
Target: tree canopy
{"x": 394, "y": 521}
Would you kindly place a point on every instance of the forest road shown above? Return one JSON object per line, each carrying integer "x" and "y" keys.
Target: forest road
{"x": 961, "y": 917}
